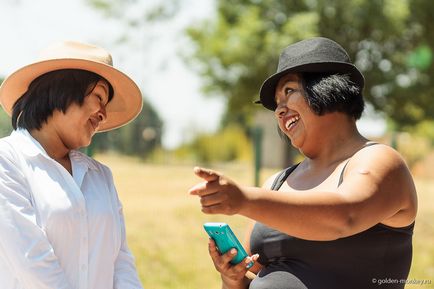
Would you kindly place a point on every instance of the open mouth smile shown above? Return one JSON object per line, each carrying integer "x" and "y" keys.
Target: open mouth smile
{"x": 291, "y": 122}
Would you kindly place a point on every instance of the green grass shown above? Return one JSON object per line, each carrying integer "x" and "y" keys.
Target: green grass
{"x": 164, "y": 223}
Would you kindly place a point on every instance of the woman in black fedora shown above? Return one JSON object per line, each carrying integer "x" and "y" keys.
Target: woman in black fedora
{"x": 344, "y": 216}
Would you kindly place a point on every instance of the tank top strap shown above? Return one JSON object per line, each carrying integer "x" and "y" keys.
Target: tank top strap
{"x": 341, "y": 177}
{"x": 281, "y": 177}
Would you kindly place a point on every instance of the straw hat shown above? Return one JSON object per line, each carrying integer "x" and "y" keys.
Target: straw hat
{"x": 127, "y": 99}
{"x": 318, "y": 54}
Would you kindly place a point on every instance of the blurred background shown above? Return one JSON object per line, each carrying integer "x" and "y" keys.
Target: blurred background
{"x": 199, "y": 65}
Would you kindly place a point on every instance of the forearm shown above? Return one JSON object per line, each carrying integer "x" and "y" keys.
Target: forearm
{"x": 307, "y": 215}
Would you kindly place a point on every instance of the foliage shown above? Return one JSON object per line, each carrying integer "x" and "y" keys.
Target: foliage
{"x": 230, "y": 144}
{"x": 390, "y": 42}
{"x": 425, "y": 129}
{"x": 413, "y": 147}
{"x": 140, "y": 137}
{"x": 236, "y": 51}
{"x": 237, "y": 48}
{"x": 159, "y": 10}
{"x": 5, "y": 121}
{"x": 5, "y": 124}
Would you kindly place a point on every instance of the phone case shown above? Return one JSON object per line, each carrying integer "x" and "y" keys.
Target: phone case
{"x": 225, "y": 240}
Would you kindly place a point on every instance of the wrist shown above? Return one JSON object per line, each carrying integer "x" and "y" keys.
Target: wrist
{"x": 228, "y": 283}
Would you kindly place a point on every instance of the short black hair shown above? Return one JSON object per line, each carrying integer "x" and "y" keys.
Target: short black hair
{"x": 327, "y": 93}
{"x": 55, "y": 90}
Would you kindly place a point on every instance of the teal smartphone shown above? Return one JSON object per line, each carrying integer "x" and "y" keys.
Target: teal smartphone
{"x": 225, "y": 240}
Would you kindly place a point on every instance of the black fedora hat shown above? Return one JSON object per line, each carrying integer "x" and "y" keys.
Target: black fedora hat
{"x": 317, "y": 54}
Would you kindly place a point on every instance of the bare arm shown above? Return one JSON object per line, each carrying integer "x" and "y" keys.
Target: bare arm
{"x": 238, "y": 276}
{"x": 377, "y": 188}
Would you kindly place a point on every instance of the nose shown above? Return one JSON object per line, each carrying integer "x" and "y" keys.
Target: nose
{"x": 280, "y": 111}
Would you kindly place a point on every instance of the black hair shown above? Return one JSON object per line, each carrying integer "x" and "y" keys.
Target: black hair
{"x": 55, "y": 90}
{"x": 333, "y": 93}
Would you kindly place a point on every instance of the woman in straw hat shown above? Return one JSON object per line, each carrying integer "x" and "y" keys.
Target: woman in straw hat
{"x": 61, "y": 222}
{"x": 344, "y": 216}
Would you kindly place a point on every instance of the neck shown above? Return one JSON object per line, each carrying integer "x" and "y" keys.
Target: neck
{"x": 335, "y": 145}
{"x": 51, "y": 143}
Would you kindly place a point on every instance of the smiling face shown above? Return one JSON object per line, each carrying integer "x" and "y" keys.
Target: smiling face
{"x": 79, "y": 123}
{"x": 294, "y": 116}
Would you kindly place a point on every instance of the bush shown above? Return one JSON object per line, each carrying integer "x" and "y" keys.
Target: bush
{"x": 413, "y": 147}
{"x": 230, "y": 144}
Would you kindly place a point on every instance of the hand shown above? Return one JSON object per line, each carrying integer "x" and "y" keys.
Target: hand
{"x": 218, "y": 194}
{"x": 231, "y": 274}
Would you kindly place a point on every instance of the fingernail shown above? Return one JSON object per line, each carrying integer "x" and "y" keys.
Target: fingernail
{"x": 233, "y": 251}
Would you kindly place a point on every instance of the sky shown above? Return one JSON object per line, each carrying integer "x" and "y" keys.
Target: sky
{"x": 151, "y": 56}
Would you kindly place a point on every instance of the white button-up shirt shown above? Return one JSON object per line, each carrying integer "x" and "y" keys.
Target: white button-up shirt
{"x": 57, "y": 230}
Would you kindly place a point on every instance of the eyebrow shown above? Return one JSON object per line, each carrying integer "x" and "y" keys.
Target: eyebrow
{"x": 105, "y": 88}
{"x": 287, "y": 82}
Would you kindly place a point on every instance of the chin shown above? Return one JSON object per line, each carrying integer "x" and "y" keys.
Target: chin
{"x": 87, "y": 143}
{"x": 83, "y": 144}
{"x": 297, "y": 143}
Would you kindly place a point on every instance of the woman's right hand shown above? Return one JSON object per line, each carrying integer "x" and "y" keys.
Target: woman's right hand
{"x": 233, "y": 276}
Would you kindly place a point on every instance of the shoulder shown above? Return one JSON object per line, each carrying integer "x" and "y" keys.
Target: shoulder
{"x": 383, "y": 168}
{"x": 379, "y": 174}
{"x": 269, "y": 182}
{"x": 281, "y": 174}
{"x": 378, "y": 156}
{"x": 9, "y": 160}
{"x": 7, "y": 148}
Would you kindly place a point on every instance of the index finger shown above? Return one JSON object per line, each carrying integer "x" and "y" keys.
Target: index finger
{"x": 206, "y": 174}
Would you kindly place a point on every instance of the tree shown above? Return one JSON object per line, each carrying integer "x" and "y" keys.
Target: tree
{"x": 5, "y": 124}
{"x": 390, "y": 42}
{"x": 5, "y": 120}
{"x": 140, "y": 137}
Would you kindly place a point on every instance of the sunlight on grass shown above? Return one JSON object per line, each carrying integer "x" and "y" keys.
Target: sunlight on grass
{"x": 423, "y": 249}
{"x": 164, "y": 223}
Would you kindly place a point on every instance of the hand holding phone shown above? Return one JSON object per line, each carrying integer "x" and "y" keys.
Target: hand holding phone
{"x": 225, "y": 240}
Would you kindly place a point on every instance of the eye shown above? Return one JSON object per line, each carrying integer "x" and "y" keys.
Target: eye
{"x": 288, "y": 91}
{"x": 99, "y": 97}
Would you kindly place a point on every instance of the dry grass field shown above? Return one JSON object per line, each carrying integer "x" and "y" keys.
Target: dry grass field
{"x": 164, "y": 224}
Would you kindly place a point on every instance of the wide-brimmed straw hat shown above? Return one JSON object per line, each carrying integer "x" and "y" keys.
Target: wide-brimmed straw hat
{"x": 127, "y": 99}
{"x": 317, "y": 54}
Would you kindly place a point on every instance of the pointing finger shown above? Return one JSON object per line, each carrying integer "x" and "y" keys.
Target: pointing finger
{"x": 206, "y": 174}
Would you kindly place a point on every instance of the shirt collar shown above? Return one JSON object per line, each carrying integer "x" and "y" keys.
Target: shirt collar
{"x": 79, "y": 157}
{"x": 27, "y": 144}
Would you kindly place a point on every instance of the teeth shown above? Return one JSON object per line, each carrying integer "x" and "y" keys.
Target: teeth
{"x": 291, "y": 121}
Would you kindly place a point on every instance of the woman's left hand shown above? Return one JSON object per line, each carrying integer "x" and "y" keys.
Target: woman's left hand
{"x": 218, "y": 194}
